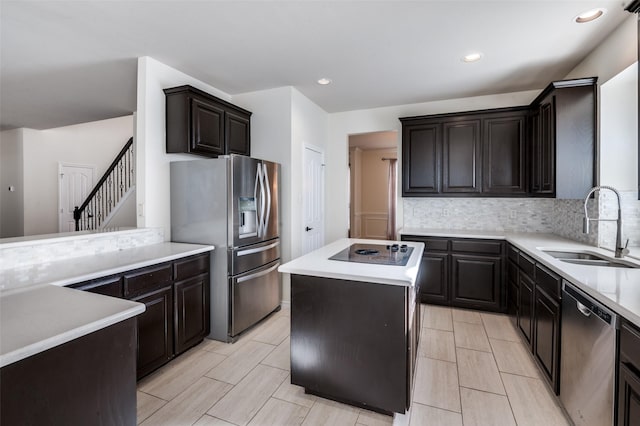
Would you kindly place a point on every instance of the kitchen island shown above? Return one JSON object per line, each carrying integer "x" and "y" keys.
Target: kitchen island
{"x": 355, "y": 325}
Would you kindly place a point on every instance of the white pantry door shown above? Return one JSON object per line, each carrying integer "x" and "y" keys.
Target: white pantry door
{"x": 313, "y": 199}
{"x": 76, "y": 182}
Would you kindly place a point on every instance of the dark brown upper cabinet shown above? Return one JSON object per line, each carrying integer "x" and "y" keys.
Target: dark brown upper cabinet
{"x": 202, "y": 124}
{"x": 563, "y": 139}
{"x": 478, "y": 153}
{"x": 546, "y": 149}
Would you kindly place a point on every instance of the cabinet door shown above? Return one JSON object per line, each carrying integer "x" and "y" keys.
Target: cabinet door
{"x": 628, "y": 410}
{"x": 191, "y": 311}
{"x": 237, "y": 133}
{"x": 433, "y": 280}
{"x": 421, "y": 159}
{"x": 461, "y": 166}
{"x": 525, "y": 313}
{"x": 543, "y": 152}
{"x": 513, "y": 292}
{"x": 546, "y": 341}
{"x": 207, "y": 128}
{"x": 155, "y": 330}
{"x": 504, "y": 155}
{"x": 476, "y": 281}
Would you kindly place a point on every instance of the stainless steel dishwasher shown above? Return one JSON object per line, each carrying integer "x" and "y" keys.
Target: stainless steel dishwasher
{"x": 588, "y": 352}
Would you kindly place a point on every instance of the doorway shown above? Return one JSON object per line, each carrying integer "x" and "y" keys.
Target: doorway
{"x": 76, "y": 181}
{"x": 372, "y": 185}
{"x": 313, "y": 199}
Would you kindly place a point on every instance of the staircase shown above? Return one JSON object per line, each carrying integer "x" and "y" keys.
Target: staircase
{"x": 113, "y": 189}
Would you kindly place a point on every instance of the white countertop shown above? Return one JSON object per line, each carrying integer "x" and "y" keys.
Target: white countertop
{"x": 616, "y": 288}
{"x": 317, "y": 263}
{"x": 42, "y": 318}
{"x": 37, "y": 313}
{"x": 66, "y": 272}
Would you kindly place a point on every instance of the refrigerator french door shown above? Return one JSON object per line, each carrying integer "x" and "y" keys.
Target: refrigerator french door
{"x": 231, "y": 202}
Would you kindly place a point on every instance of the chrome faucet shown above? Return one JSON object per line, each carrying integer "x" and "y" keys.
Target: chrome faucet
{"x": 620, "y": 251}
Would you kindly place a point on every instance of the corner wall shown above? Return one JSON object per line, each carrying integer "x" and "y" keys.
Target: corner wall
{"x": 11, "y": 175}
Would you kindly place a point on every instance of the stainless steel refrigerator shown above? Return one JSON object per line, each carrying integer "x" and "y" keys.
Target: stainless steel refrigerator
{"x": 231, "y": 202}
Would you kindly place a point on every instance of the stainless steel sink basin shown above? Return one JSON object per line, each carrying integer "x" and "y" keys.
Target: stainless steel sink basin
{"x": 589, "y": 259}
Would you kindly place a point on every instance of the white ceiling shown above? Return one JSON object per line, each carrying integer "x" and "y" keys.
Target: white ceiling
{"x": 70, "y": 62}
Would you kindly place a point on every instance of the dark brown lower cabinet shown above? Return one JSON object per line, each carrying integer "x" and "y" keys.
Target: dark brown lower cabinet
{"x": 546, "y": 331}
{"x": 87, "y": 381}
{"x": 354, "y": 341}
{"x": 177, "y": 299}
{"x": 192, "y": 313}
{"x": 462, "y": 272}
{"x": 525, "y": 313}
{"x": 513, "y": 292}
{"x": 628, "y": 405}
{"x": 476, "y": 282}
{"x": 434, "y": 278}
{"x": 155, "y": 330}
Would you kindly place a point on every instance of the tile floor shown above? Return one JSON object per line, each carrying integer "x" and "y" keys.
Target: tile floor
{"x": 472, "y": 369}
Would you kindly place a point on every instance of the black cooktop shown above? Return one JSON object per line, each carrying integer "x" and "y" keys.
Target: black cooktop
{"x": 393, "y": 254}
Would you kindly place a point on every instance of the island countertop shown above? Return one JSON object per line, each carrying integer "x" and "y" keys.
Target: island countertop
{"x": 318, "y": 264}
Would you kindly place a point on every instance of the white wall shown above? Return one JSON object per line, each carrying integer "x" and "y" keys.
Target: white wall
{"x": 619, "y": 130}
{"x": 11, "y": 174}
{"x": 96, "y": 144}
{"x": 343, "y": 124}
{"x": 152, "y": 161}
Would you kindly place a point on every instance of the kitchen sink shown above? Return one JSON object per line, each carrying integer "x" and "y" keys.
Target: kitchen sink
{"x": 589, "y": 259}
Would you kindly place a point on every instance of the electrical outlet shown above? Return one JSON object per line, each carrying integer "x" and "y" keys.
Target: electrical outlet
{"x": 513, "y": 214}
{"x": 445, "y": 213}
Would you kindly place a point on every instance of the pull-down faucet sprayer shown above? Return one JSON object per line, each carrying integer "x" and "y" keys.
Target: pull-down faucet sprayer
{"x": 620, "y": 251}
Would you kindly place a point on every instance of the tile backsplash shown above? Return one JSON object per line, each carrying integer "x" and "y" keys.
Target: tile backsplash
{"x": 630, "y": 218}
{"x": 34, "y": 251}
{"x": 560, "y": 217}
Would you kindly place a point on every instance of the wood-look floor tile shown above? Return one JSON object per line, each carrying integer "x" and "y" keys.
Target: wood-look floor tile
{"x": 500, "y": 326}
{"x": 146, "y": 405}
{"x": 478, "y": 370}
{"x": 190, "y": 405}
{"x": 295, "y": 394}
{"x": 371, "y": 418}
{"x": 436, "y": 384}
{"x": 485, "y": 409}
{"x": 437, "y": 344}
{"x": 179, "y": 374}
{"x": 438, "y": 317}
{"x": 513, "y": 357}
{"x": 279, "y": 412}
{"x": 242, "y": 402}
{"x": 274, "y": 332}
{"x": 281, "y": 356}
{"x": 470, "y": 336}
{"x": 238, "y": 364}
{"x": 422, "y": 415}
{"x": 326, "y": 412}
{"x": 208, "y": 420}
{"x": 532, "y": 403}
{"x": 465, "y": 315}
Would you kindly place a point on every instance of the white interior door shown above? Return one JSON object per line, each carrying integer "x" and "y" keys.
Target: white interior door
{"x": 75, "y": 183}
{"x": 313, "y": 199}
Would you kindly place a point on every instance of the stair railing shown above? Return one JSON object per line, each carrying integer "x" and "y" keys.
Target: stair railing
{"x": 113, "y": 185}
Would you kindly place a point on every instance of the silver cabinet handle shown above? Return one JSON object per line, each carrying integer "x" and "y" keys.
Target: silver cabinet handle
{"x": 258, "y": 274}
{"x": 258, "y": 249}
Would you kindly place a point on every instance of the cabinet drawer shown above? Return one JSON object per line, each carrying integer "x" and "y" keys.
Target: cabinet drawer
{"x": 526, "y": 264}
{"x": 630, "y": 345}
{"x": 477, "y": 246}
{"x": 111, "y": 286}
{"x": 148, "y": 279}
{"x": 191, "y": 266}
{"x": 512, "y": 253}
{"x": 430, "y": 244}
{"x": 548, "y": 281}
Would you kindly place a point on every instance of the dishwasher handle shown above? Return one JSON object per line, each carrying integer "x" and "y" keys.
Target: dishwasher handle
{"x": 589, "y": 306}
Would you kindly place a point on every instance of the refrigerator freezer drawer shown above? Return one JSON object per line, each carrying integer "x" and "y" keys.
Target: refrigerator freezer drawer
{"x": 254, "y": 295}
{"x": 245, "y": 259}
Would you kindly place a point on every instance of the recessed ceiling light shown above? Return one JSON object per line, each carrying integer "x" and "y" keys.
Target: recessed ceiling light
{"x": 590, "y": 15}
{"x": 324, "y": 81}
{"x": 472, "y": 57}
